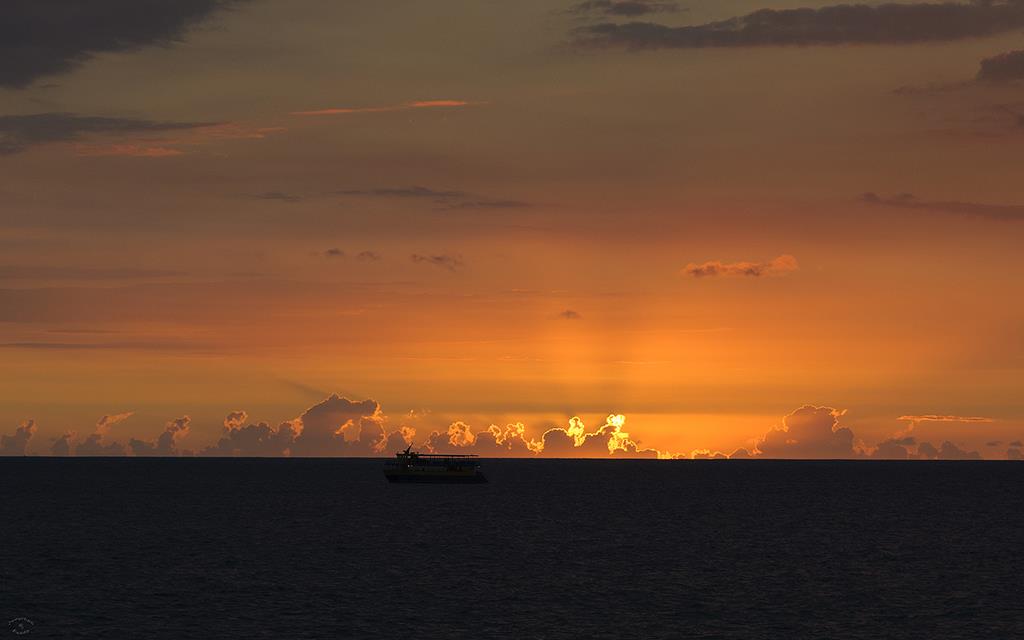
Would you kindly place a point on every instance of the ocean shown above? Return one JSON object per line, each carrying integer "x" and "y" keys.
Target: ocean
{"x": 286, "y": 548}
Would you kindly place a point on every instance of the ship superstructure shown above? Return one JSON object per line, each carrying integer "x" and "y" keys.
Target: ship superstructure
{"x": 411, "y": 466}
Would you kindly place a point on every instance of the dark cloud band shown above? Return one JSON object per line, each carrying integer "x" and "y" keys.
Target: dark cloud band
{"x": 623, "y": 8}
{"x": 44, "y": 38}
{"x": 19, "y": 132}
{"x": 840, "y": 24}
{"x": 1005, "y": 67}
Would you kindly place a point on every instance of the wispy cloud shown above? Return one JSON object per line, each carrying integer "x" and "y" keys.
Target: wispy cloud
{"x": 100, "y": 136}
{"x": 488, "y": 204}
{"x": 405, "y": 106}
{"x": 19, "y": 132}
{"x": 101, "y": 346}
{"x": 569, "y": 314}
{"x": 130, "y": 150}
{"x": 446, "y": 199}
{"x": 278, "y": 196}
{"x": 405, "y": 192}
{"x": 623, "y": 8}
{"x": 444, "y": 260}
{"x": 940, "y": 418}
{"x": 780, "y": 266}
{"x": 104, "y": 424}
{"x": 1006, "y": 213}
{"x": 47, "y": 272}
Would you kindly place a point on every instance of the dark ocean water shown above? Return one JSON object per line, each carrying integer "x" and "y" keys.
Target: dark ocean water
{"x": 200, "y": 548}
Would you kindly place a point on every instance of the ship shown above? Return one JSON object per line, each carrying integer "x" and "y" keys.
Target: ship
{"x": 411, "y": 466}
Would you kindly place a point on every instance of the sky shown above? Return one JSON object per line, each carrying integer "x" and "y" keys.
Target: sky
{"x": 627, "y": 228}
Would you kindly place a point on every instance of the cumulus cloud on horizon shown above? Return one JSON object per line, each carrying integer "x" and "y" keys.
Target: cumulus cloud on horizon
{"x": 16, "y": 444}
{"x": 340, "y": 427}
{"x": 166, "y": 443}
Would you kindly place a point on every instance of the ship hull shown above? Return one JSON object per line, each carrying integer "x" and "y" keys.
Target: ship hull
{"x": 435, "y": 478}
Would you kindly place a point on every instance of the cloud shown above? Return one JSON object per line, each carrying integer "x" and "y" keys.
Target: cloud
{"x": 915, "y": 420}
{"x": 94, "y": 444}
{"x": 707, "y": 454}
{"x": 810, "y": 432}
{"x": 61, "y": 446}
{"x": 447, "y": 199}
{"x": 235, "y": 419}
{"x": 1003, "y": 213}
{"x": 38, "y": 39}
{"x": 1017, "y": 443}
{"x": 201, "y": 134}
{"x": 1005, "y": 67}
{"x": 780, "y": 266}
{"x": 623, "y": 8}
{"x": 1014, "y": 453}
{"x": 279, "y": 196}
{"x": 405, "y": 106}
{"x": 253, "y": 440}
{"x": 166, "y": 443}
{"x": 495, "y": 441}
{"x": 339, "y": 426}
{"x": 997, "y": 70}
{"x": 894, "y": 449}
{"x": 368, "y": 256}
{"x": 103, "y": 346}
{"x": 49, "y": 272}
{"x": 404, "y": 192}
{"x": 888, "y": 23}
{"x": 608, "y": 439}
{"x": 444, "y": 261}
{"x": 16, "y": 444}
{"x": 334, "y": 252}
{"x": 488, "y": 204}
{"x": 20, "y": 132}
{"x": 459, "y": 434}
{"x": 104, "y": 424}
{"x": 569, "y": 314}
{"x": 129, "y": 150}
{"x": 572, "y": 441}
{"x": 948, "y": 451}
{"x": 815, "y": 433}
{"x": 335, "y": 426}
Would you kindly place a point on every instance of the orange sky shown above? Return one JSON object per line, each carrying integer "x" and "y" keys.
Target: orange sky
{"x": 481, "y": 214}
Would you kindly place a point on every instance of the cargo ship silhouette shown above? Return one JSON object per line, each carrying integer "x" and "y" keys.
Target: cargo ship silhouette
{"x": 411, "y": 466}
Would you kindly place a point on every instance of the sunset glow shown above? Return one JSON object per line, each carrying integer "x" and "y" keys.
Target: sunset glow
{"x": 589, "y": 230}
